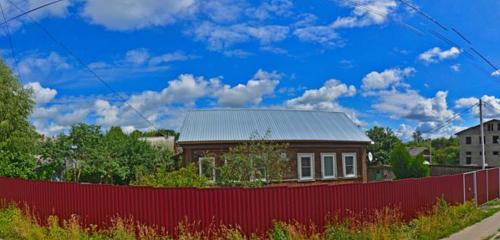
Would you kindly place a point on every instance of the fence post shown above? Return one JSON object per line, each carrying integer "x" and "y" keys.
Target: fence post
{"x": 475, "y": 187}
{"x": 463, "y": 182}
{"x": 487, "y": 187}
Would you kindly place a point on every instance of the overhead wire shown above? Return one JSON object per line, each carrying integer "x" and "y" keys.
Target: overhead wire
{"x": 11, "y": 42}
{"x": 450, "y": 120}
{"x": 462, "y": 36}
{"x": 86, "y": 67}
{"x": 31, "y": 10}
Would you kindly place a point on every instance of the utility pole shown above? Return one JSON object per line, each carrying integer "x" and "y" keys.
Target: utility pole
{"x": 483, "y": 155}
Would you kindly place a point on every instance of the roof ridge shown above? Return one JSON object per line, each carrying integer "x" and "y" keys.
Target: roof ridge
{"x": 262, "y": 109}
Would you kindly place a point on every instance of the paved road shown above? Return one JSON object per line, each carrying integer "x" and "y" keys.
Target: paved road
{"x": 480, "y": 230}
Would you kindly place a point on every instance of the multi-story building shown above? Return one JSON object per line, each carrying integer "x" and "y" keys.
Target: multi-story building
{"x": 470, "y": 144}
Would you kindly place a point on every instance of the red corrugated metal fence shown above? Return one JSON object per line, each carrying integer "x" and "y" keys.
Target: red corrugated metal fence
{"x": 253, "y": 209}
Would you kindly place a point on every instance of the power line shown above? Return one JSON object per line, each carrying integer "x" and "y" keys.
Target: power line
{"x": 428, "y": 17}
{"x": 491, "y": 106}
{"x": 450, "y": 120}
{"x": 484, "y": 58}
{"x": 461, "y": 36}
{"x": 416, "y": 9}
{"x": 11, "y": 43}
{"x": 435, "y": 33}
{"x": 86, "y": 67}
{"x": 374, "y": 11}
{"x": 31, "y": 10}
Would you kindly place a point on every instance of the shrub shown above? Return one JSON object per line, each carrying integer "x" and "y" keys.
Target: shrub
{"x": 184, "y": 177}
{"x": 437, "y": 223}
{"x": 406, "y": 166}
{"x": 444, "y": 220}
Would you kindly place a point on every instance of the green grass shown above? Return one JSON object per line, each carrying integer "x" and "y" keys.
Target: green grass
{"x": 437, "y": 223}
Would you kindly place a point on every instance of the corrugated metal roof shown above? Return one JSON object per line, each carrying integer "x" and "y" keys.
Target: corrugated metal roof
{"x": 241, "y": 124}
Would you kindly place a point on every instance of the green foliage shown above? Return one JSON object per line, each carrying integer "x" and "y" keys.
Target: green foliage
{"x": 444, "y": 150}
{"x": 184, "y": 177}
{"x": 95, "y": 157}
{"x": 17, "y": 225}
{"x": 444, "y": 220}
{"x": 17, "y": 136}
{"x": 156, "y": 133}
{"x": 384, "y": 140}
{"x": 440, "y": 222}
{"x": 406, "y": 166}
{"x": 253, "y": 163}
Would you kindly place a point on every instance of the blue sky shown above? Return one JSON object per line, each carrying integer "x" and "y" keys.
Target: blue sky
{"x": 379, "y": 61}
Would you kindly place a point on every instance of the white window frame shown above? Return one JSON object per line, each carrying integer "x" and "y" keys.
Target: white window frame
{"x": 334, "y": 156}
{"x": 299, "y": 165}
{"x": 355, "y": 167}
{"x": 200, "y": 166}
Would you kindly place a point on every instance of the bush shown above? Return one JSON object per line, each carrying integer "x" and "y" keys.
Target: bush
{"x": 406, "y": 166}
{"x": 387, "y": 223}
{"x": 184, "y": 177}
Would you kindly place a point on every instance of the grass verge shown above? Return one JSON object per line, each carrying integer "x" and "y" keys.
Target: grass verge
{"x": 440, "y": 222}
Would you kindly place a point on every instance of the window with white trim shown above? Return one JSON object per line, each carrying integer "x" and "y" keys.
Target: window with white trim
{"x": 305, "y": 165}
{"x": 349, "y": 164}
{"x": 206, "y": 167}
{"x": 328, "y": 165}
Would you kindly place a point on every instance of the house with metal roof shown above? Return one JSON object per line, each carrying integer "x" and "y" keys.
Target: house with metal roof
{"x": 322, "y": 146}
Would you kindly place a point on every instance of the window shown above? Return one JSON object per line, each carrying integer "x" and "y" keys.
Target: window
{"x": 468, "y": 140}
{"x": 305, "y": 166}
{"x": 480, "y": 142}
{"x": 206, "y": 167}
{"x": 328, "y": 165}
{"x": 349, "y": 163}
{"x": 495, "y": 152}
{"x": 490, "y": 127}
{"x": 468, "y": 160}
{"x": 495, "y": 139}
{"x": 498, "y": 126}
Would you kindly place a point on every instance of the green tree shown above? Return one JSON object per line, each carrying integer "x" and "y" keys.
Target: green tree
{"x": 444, "y": 150}
{"x": 417, "y": 137}
{"x": 18, "y": 138}
{"x": 406, "y": 166}
{"x": 54, "y": 152}
{"x": 94, "y": 156}
{"x": 384, "y": 140}
{"x": 253, "y": 162}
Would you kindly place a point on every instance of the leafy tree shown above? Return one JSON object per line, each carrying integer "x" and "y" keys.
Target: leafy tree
{"x": 93, "y": 156}
{"x": 417, "y": 137}
{"x": 406, "y": 166}
{"x": 444, "y": 150}
{"x": 156, "y": 133}
{"x": 384, "y": 140}
{"x": 253, "y": 162}
{"x": 53, "y": 153}
{"x": 18, "y": 138}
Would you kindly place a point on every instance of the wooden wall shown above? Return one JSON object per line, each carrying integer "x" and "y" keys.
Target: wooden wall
{"x": 192, "y": 152}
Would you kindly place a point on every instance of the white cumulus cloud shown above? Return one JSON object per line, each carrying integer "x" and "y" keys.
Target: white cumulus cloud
{"x": 41, "y": 95}
{"x": 387, "y": 78}
{"x": 435, "y": 54}
{"x": 123, "y": 15}
{"x": 262, "y": 84}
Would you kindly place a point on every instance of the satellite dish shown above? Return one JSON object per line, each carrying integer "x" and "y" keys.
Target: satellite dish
{"x": 427, "y": 163}
{"x": 370, "y": 157}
